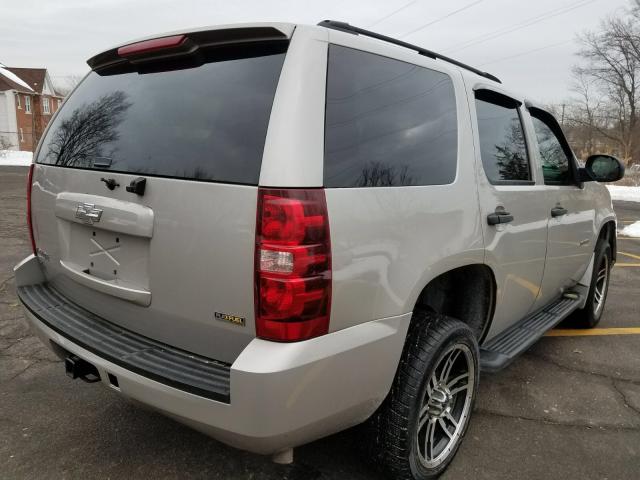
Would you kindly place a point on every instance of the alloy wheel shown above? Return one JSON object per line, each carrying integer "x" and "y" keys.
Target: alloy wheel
{"x": 446, "y": 405}
{"x": 600, "y": 288}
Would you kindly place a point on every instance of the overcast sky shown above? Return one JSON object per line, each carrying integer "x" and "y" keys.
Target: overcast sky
{"x": 61, "y": 34}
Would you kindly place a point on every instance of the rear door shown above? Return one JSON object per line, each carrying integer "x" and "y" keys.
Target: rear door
{"x": 571, "y": 211}
{"x": 173, "y": 261}
{"x": 514, "y": 217}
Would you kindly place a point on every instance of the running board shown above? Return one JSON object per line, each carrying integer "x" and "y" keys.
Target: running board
{"x": 501, "y": 350}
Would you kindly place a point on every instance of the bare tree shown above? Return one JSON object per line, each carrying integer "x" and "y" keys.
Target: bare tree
{"x": 80, "y": 138}
{"x": 586, "y": 116}
{"x": 5, "y": 144}
{"x": 63, "y": 84}
{"x": 377, "y": 174}
{"x": 613, "y": 68}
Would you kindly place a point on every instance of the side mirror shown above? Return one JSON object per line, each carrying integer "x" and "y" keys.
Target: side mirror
{"x": 602, "y": 168}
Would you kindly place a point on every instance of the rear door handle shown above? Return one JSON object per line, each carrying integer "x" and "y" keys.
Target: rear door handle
{"x": 500, "y": 216}
{"x": 558, "y": 211}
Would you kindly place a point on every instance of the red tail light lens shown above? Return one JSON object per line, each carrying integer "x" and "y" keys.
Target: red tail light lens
{"x": 293, "y": 265}
{"x": 29, "y": 221}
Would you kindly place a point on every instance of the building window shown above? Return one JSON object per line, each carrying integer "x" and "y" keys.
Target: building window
{"x": 18, "y": 99}
{"x": 59, "y": 103}
{"x": 45, "y": 106}
{"x": 27, "y": 104}
{"x": 21, "y": 136}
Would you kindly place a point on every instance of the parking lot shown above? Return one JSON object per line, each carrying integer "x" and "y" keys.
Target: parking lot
{"x": 568, "y": 408}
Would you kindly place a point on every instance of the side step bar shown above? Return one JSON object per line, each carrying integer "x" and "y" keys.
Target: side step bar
{"x": 501, "y": 350}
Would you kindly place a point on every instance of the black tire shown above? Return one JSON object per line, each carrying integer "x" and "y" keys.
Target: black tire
{"x": 396, "y": 443}
{"x": 590, "y": 315}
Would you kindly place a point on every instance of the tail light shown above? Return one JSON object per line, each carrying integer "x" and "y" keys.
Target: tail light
{"x": 293, "y": 265}
{"x": 29, "y": 221}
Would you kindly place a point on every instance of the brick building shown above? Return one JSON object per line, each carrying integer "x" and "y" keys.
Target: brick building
{"x": 27, "y": 102}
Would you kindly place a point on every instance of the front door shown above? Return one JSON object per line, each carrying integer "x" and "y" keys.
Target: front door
{"x": 514, "y": 217}
{"x": 571, "y": 213}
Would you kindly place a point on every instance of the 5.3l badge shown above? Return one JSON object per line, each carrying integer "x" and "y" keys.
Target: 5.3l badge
{"x": 225, "y": 317}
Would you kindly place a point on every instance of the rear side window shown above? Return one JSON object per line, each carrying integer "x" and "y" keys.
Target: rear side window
{"x": 554, "y": 153}
{"x": 502, "y": 143}
{"x": 204, "y": 122}
{"x": 388, "y": 123}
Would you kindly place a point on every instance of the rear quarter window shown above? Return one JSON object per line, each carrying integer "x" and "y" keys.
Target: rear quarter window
{"x": 388, "y": 123}
{"x": 207, "y": 122}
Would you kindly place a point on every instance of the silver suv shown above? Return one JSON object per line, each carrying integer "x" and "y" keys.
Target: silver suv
{"x": 274, "y": 232}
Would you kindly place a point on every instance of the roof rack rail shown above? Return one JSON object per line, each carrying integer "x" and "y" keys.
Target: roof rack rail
{"x": 345, "y": 27}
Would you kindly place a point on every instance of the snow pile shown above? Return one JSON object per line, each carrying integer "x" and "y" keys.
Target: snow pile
{"x": 632, "y": 230}
{"x": 15, "y": 157}
{"x": 626, "y": 194}
{"x": 14, "y": 78}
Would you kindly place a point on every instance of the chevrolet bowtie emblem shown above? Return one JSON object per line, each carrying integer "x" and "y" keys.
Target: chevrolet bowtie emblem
{"x": 88, "y": 213}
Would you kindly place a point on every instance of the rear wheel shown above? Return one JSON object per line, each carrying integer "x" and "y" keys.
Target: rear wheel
{"x": 590, "y": 315}
{"x": 422, "y": 422}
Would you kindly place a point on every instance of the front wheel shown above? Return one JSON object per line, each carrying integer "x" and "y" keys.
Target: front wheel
{"x": 591, "y": 314}
{"x": 422, "y": 422}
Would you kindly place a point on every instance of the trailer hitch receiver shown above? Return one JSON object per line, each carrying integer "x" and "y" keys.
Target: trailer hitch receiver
{"x": 79, "y": 368}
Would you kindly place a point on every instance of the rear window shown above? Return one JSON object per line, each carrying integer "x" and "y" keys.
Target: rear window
{"x": 388, "y": 123}
{"x": 207, "y": 122}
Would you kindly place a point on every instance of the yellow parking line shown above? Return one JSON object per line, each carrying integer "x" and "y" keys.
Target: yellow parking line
{"x": 627, "y": 264}
{"x": 637, "y": 257}
{"x": 593, "y": 331}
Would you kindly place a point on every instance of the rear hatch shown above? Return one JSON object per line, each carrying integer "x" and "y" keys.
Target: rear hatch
{"x": 145, "y": 186}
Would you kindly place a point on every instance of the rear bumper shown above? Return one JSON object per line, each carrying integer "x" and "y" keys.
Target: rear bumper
{"x": 280, "y": 395}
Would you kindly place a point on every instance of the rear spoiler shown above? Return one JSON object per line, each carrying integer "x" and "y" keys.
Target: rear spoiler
{"x": 173, "y": 46}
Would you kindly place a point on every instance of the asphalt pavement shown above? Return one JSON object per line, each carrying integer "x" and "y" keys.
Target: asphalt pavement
{"x": 568, "y": 408}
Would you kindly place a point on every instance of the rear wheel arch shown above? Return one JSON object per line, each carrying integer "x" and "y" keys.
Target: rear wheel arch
{"x": 465, "y": 293}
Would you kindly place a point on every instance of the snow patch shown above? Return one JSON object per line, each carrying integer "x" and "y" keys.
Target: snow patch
{"x": 14, "y": 78}
{"x": 632, "y": 230}
{"x": 15, "y": 157}
{"x": 625, "y": 194}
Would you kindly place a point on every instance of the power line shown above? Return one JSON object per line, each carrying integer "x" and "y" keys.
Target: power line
{"x": 450, "y": 14}
{"x": 391, "y": 14}
{"x": 524, "y": 53}
{"x": 526, "y": 23}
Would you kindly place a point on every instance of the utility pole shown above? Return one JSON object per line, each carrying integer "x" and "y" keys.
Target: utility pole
{"x": 562, "y": 118}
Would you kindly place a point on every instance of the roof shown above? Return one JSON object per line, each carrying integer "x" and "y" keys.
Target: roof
{"x": 11, "y": 81}
{"x": 33, "y": 77}
{"x": 7, "y": 84}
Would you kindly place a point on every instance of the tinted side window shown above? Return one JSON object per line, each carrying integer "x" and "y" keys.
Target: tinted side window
{"x": 502, "y": 143}
{"x": 555, "y": 161}
{"x": 207, "y": 122}
{"x": 388, "y": 123}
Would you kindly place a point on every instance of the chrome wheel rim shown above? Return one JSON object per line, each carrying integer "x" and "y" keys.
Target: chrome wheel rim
{"x": 445, "y": 407}
{"x": 600, "y": 288}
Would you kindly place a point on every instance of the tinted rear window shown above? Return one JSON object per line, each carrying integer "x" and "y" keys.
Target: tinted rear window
{"x": 207, "y": 122}
{"x": 388, "y": 123}
{"x": 502, "y": 143}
